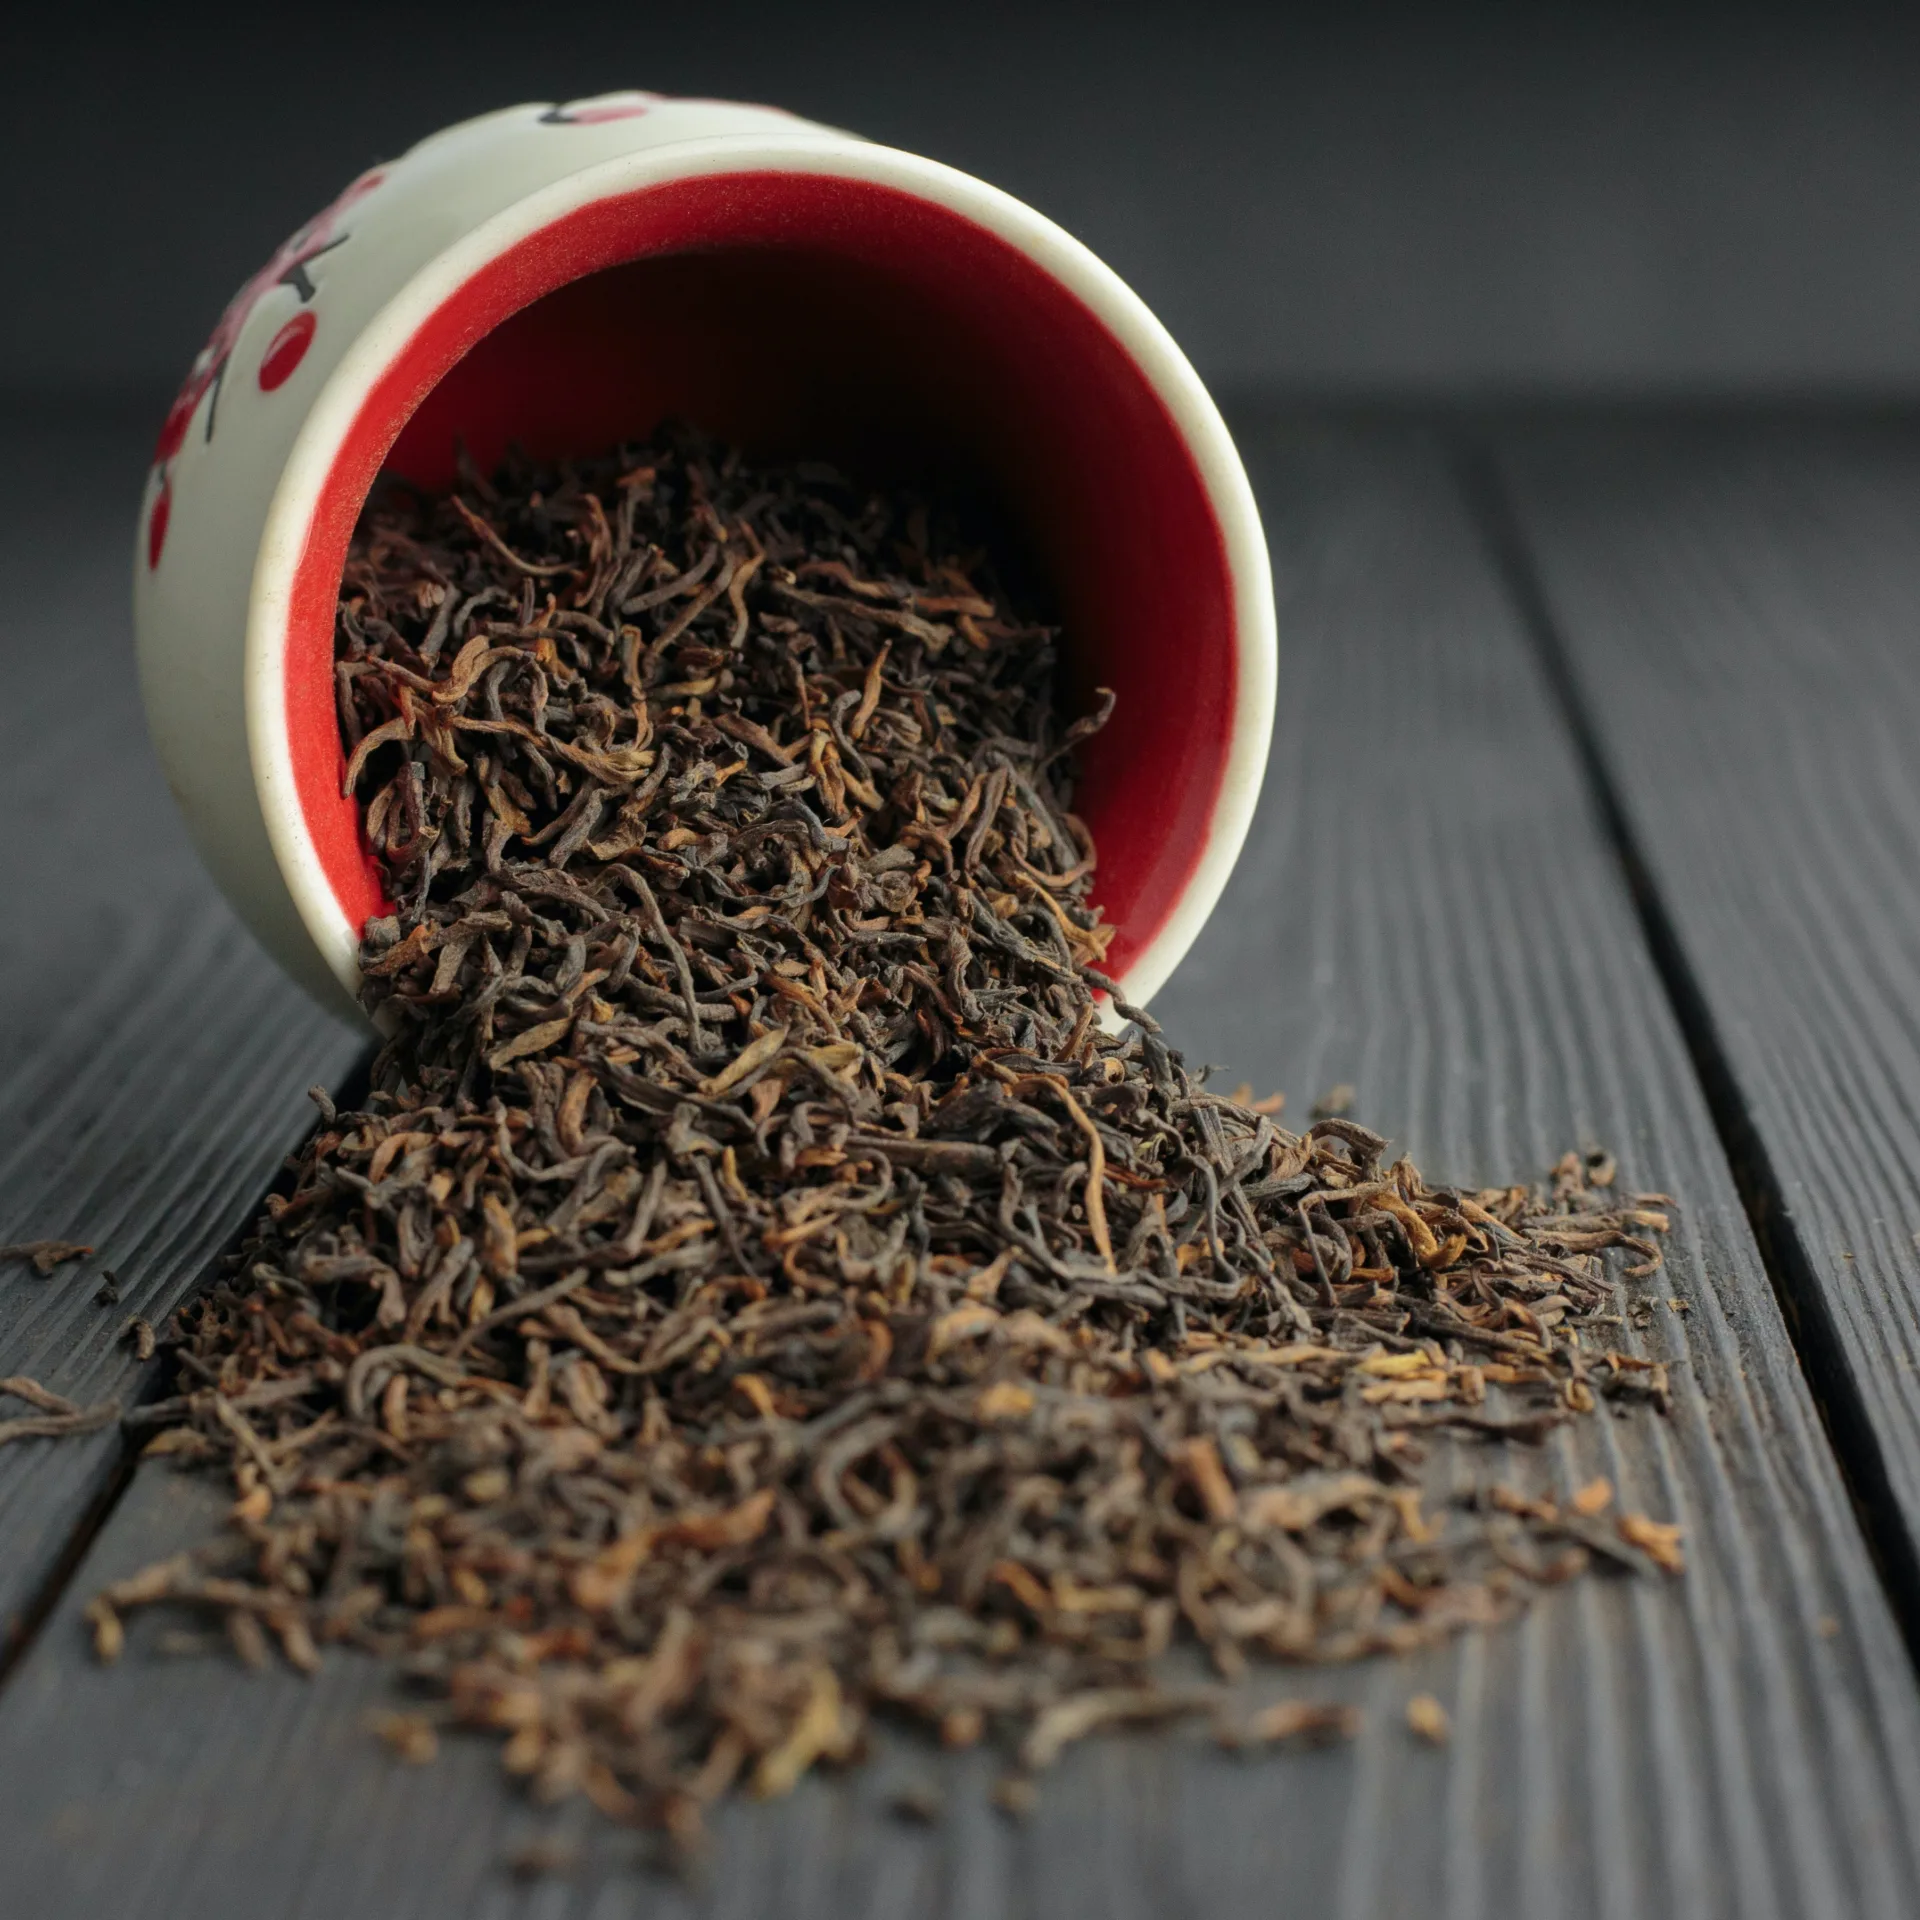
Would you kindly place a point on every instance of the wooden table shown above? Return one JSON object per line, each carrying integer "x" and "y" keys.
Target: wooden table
{"x": 1593, "y": 816}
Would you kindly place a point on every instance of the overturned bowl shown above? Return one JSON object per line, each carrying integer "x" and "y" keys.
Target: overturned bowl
{"x": 563, "y": 278}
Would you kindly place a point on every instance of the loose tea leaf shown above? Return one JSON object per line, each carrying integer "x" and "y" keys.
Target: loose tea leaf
{"x": 1302, "y": 1720}
{"x": 58, "y": 1417}
{"x": 45, "y": 1254}
{"x": 759, "y": 1289}
{"x": 1428, "y": 1720}
{"x": 1658, "y": 1540}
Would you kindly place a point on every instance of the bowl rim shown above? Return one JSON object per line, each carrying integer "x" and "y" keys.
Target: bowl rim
{"x": 822, "y": 152}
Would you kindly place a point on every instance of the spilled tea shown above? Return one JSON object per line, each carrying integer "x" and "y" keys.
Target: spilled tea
{"x": 759, "y": 1289}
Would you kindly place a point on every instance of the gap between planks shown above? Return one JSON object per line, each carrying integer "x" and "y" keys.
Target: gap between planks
{"x": 1803, "y": 1305}
{"x": 18, "y": 1635}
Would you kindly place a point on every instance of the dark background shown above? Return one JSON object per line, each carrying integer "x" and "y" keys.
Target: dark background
{"x": 1362, "y": 202}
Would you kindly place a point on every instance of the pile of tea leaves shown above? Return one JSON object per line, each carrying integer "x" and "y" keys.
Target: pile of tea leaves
{"x": 758, "y": 1289}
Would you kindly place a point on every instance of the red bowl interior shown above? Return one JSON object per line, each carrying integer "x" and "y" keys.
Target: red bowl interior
{"x": 804, "y": 313}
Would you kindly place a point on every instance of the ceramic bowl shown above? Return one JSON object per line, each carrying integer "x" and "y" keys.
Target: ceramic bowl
{"x": 564, "y": 277}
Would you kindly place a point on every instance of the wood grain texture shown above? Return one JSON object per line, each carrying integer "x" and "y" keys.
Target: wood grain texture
{"x": 1427, "y": 911}
{"x": 152, "y": 1060}
{"x": 1738, "y": 605}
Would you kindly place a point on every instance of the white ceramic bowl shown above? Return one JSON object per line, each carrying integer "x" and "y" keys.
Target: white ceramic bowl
{"x": 566, "y": 276}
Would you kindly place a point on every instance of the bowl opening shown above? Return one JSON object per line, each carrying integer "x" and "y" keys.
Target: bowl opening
{"x": 814, "y": 314}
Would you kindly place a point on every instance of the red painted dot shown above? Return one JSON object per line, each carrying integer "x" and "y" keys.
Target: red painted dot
{"x": 612, "y": 110}
{"x": 157, "y": 523}
{"x": 173, "y": 429}
{"x": 286, "y": 350}
{"x": 594, "y": 113}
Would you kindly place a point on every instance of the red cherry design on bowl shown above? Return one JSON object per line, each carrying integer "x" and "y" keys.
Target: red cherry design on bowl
{"x": 157, "y": 519}
{"x": 286, "y": 350}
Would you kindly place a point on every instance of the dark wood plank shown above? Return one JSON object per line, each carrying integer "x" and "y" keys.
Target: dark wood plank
{"x": 152, "y": 1060}
{"x": 1738, "y": 605}
{"x": 1427, "y": 911}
